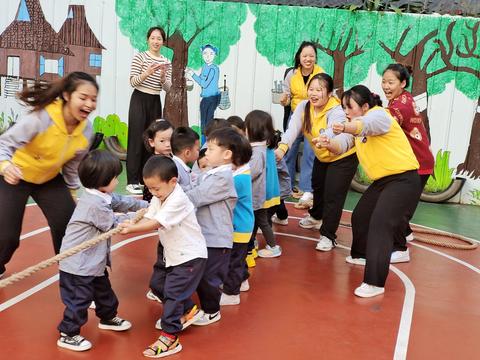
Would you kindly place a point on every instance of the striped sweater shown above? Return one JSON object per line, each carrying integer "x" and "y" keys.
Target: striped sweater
{"x": 152, "y": 84}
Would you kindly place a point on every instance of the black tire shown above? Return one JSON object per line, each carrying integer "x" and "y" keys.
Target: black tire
{"x": 113, "y": 145}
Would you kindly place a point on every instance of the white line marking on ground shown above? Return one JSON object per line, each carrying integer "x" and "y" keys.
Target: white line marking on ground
{"x": 26, "y": 294}
{"x": 34, "y": 232}
{"x": 403, "y": 336}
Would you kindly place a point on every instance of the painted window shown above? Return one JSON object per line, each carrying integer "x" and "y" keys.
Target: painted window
{"x": 95, "y": 60}
{"x": 61, "y": 66}
{"x": 70, "y": 14}
{"x": 51, "y": 66}
{"x": 13, "y": 66}
{"x": 42, "y": 65}
{"x": 23, "y": 14}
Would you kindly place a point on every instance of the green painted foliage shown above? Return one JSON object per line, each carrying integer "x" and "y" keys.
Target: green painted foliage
{"x": 442, "y": 174}
{"x": 7, "y": 120}
{"x": 111, "y": 126}
{"x": 220, "y": 22}
{"x": 475, "y": 197}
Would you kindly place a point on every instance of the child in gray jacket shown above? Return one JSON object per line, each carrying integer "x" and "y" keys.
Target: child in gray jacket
{"x": 215, "y": 198}
{"x": 84, "y": 276}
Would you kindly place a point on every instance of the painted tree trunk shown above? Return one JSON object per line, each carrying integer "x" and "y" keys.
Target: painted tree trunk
{"x": 175, "y": 109}
{"x": 472, "y": 159}
{"x": 339, "y": 72}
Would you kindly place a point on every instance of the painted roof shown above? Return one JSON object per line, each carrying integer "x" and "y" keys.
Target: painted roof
{"x": 76, "y": 31}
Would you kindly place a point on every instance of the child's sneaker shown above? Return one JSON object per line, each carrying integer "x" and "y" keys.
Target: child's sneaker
{"x": 115, "y": 324}
{"x": 400, "y": 257}
{"x": 186, "y": 320}
{"x": 245, "y": 286}
{"x": 278, "y": 221}
{"x": 75, "y": 343}
{"x": 250, "y": 260}
{"x": 309, "y": 222}
{"x": 229, "y": 299}
{"x": 135, "y": 189}
{"x": 355, "y": 261}
{"x": 207, "y": 319}
{"x": 165, "y": 345}
{"x": 366, "y": 291}
{"x": 270, "y": 252}
{"x": 151, "y": 296}
{"x": 325, "y": 244}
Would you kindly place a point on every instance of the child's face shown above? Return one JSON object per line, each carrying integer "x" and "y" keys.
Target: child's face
{"x": 110, "y": 187}
{"x": 190, "y": 155}
{"x": 203, "y": 164}
{"x": 159, "y": 188}
{"x": 161, "y": 142}
{"x": 217, "y": 155}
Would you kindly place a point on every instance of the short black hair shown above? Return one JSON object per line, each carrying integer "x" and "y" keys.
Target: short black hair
{"x": 202, "y": 153}
{"x": 182, "y": 138}
{"x": 239, "y": 145}
{"x": 153, "y": 128}
{"x": 160, "y": 166}
{"x": 236, "y": 121}
{"x": 259, "y": 125}
{"x": 98, "y": 168}
{"x": 215, "y": 123}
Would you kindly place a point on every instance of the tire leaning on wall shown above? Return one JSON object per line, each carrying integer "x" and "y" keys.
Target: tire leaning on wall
{"x": 439, "y": 197}
{"x": 113, "y": 145}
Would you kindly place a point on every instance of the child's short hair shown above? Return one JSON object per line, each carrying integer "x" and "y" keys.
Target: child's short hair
{"x": 202, "y": 153}
{"x": 98, "y": 168}
{"x": 160, "y": 166}
{"x": 237, "y": 122}
{"x": 259, "y": 125}
{"x": 215, "y": 123}
{"x": 239, "y": 145}
{"x": 182, "y": 138}
{"x": 153, "y": 128}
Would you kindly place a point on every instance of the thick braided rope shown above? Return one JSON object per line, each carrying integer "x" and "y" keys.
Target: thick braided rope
{"x": 76, "y": 249}
{"x": 438, "y": 238}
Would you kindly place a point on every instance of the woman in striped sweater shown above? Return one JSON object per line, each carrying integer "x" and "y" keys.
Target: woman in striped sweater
{"x": 150, "y": 73}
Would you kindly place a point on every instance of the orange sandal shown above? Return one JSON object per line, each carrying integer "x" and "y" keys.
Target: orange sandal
{"x": 165, "y": 345}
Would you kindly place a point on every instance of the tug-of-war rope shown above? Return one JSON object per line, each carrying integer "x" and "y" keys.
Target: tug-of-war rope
{"x": 421, "y": 234}
{"x": 85, "y": 245}
{"x": 438, "y": 238}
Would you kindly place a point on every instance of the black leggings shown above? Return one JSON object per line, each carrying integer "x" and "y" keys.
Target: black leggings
{"x": 53, "y": 198}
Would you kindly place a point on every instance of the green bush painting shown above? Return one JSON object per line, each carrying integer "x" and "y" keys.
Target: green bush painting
{"x": 442, "y": 175}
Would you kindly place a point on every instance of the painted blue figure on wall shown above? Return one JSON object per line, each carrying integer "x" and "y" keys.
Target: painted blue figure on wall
{"x": 208, "y": 80}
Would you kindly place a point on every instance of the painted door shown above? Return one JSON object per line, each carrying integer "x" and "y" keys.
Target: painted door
{"x": 13, "y": 66}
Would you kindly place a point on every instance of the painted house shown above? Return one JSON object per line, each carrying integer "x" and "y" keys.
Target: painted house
{"x": 80, "y": 39}
{"x": 30, "y": 49}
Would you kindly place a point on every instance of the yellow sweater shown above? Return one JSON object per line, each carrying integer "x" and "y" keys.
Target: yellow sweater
{"x": 298, "y": 88}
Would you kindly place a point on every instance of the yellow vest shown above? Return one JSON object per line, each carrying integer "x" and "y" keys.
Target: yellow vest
{"x": 298, "y": 88}
{"x": 319, "y": 121}
{"x": 387, "y": 154}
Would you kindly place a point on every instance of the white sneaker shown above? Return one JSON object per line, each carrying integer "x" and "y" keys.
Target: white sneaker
{"x": 151, "y": 296}
{"x": 75, "y": 343}
{"x": 135, "y": 189}
{"x": 410, "y": 237}
{"x": 229, "y": 299}
{"x": 245, "y": 286}
{"x": 355, "y": 261}
{"x": 270, "y": 252}
{"x": 207, "y": 319}
{"x": 278, "y": 221}
{"x": 92, "y": 305}
{"x": 187, "y": 319}
{"x": 400, "y": 257}
{"x": 367, "y": 291}
{"x": 324, "y": 244}
{"x": 307, "y": 196}
{"x": 309, "y": 222}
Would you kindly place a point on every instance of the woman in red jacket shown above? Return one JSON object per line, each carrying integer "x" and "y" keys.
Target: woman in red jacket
{"x": 401, "y": 105}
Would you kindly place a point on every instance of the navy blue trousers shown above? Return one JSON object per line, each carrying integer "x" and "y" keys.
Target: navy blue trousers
{"x": 237, "y": 268}
{"x": 77, "y": 293}
{"x": 215, "y": 271}
{"x": 180, "y": 283}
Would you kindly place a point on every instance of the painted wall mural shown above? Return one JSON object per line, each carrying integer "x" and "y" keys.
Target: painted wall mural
{"x": 256, "y": 42}
{"x": 34, "y": 51}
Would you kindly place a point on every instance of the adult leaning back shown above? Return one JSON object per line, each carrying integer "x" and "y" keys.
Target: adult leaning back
{"x": 39, "y": 157}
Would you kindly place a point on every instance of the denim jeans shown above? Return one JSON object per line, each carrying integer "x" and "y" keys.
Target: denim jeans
{"x": 306, "y": 165}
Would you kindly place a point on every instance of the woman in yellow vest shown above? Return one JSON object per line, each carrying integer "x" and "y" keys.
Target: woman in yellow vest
{"x": 295, "y": 91}
{"x": 39, "y": 157}
{"x": 388, "y": 159}
{"x": 332, "y": 173}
